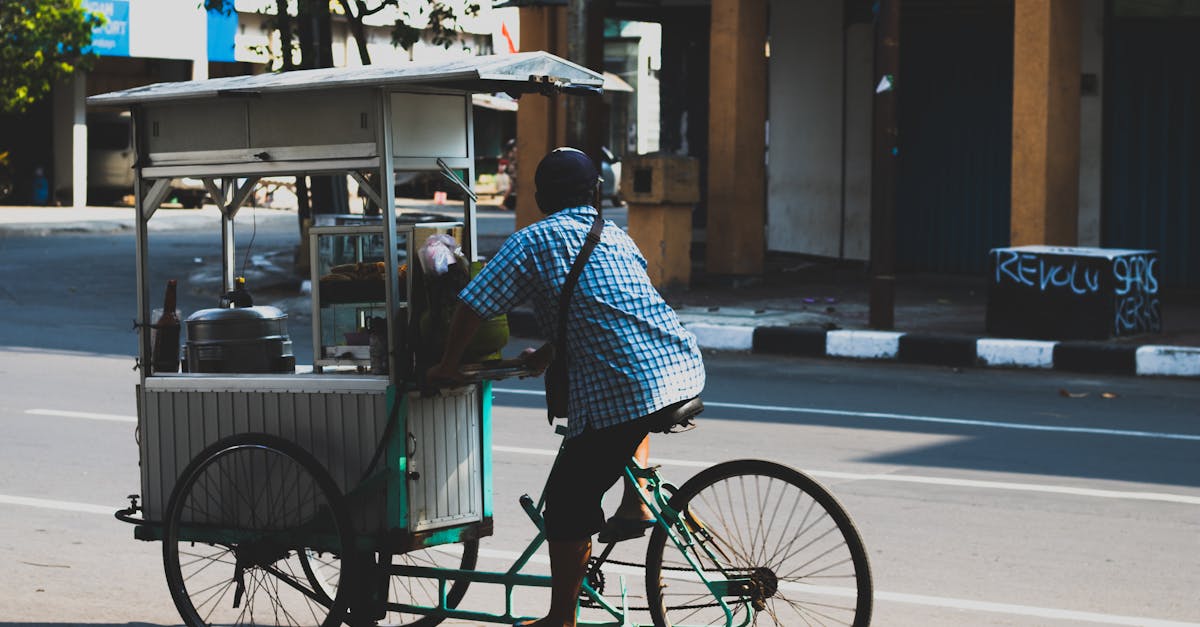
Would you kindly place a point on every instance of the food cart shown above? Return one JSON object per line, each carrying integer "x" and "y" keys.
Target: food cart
{"x": 309, "y": 478}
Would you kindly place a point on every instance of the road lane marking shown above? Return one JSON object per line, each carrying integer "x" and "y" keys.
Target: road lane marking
{"x": 930, "y": 419}
{"x": 81, "y": 414}
{"x": 785, "y": 409}
{"x": 945, "y": 481}
{"x": 1026, "y": 610}
{"x": 880, "y": 595}
{"x": 66, "y": 506}
{"x": 825, "y": 474}
{"x": 899, "y": 597}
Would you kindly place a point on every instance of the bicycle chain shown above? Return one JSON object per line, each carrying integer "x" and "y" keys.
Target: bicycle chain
{"x": 679, "y": 568}
{"x": 587, "y": 602}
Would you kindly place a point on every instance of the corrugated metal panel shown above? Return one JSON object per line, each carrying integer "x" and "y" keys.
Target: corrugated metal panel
{"x": 340, "y": 429}
{"x": 1152, "y": 144}
{"x": 447, "y": 459}
{"x": 955, "y": 111}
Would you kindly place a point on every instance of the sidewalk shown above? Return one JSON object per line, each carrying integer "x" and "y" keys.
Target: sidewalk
{"x": 821, "y": 309}
{"x": 35, "y": 221}
{"x": 803, "y": 308}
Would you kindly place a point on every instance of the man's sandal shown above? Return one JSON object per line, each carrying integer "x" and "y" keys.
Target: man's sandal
{"x": 617, "y": 529}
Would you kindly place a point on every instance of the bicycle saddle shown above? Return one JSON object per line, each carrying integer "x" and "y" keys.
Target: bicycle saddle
{"x": 676, "y": 417}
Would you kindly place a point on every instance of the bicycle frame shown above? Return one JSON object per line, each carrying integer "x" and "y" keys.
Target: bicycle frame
{"x": 656, "y": 498}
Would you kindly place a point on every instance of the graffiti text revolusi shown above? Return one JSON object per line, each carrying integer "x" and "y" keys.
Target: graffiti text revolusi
{"x": 1040, "y": 272}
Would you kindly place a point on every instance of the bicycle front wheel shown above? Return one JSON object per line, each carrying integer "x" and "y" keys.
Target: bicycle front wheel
{"x": 790, "y": 544}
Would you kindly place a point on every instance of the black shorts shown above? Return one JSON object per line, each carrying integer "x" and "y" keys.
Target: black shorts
{"x": 588, "y": 466}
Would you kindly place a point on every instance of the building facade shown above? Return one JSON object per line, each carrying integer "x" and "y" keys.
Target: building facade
{"x": 1061, "y": 122}
{"x": 150, "y": 41}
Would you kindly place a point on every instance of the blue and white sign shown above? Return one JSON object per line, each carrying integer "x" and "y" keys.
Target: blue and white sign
{"x": 222, "y": 28}
{"x": 111, "y": 39}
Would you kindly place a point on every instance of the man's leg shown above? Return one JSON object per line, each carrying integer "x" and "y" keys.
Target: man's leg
{"x": 588, "y": 466}
{"x": 568, "y": 565}
{"x": 632, "y": 507}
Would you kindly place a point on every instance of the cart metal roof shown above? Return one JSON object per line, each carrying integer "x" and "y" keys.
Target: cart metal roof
{"x": 519, "y": 73}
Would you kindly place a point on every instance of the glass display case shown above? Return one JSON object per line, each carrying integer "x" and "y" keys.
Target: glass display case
{"x": 349, "y": 294}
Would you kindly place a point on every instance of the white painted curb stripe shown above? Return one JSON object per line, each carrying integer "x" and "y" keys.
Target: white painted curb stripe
{"x": 1020, "y": 353}
{"x": 863, "y": 344}
{"x": 1168, "y": 360}
{"x": 722, "y": 337}
{"x": 994, "y": 352}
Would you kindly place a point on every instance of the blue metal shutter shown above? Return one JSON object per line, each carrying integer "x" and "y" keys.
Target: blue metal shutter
{"x": 955, "y": 135}
{"x": 1152, "y": 144}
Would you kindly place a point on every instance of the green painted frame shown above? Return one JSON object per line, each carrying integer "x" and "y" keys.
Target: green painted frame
{"x": 657, "y": 501}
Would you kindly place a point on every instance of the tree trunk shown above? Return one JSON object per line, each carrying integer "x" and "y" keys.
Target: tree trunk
{"x": 329, "y": 195}
{"x": 358, "y": 29}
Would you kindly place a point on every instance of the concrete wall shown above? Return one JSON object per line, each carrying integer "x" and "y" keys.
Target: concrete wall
{"x": 649, "y": 61}
{"x": 1091, "y": 125}
{"x": 805, "y": 109}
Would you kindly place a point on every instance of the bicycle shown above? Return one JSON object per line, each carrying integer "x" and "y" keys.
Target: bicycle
{"x": 754, "y": 542}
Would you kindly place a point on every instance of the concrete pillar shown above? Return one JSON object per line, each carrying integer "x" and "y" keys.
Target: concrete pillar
{"x": 1046, "y": 114}
{"x": 735, "y": 238}
{"x": 541, "y": 120}
{"x": 70, "y": 140}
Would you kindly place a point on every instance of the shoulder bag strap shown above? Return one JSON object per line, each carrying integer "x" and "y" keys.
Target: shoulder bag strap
{"x": 593, "y": 238}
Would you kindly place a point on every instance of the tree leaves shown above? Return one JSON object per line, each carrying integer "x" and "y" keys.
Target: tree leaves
{"x": 41, "y": 42}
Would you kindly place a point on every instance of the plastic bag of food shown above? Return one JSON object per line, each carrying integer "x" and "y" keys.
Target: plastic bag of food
{"x": 438, "y": 253}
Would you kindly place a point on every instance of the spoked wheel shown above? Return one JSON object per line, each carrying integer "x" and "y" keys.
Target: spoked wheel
{"x": 794, "y": 549}
{"x": 422, "y": 591}
{"x": 256, "y": 533}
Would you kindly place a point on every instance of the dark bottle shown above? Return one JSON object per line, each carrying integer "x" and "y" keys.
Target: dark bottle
{"x": 164, "y": 354}
{"x": 378, "y": 344}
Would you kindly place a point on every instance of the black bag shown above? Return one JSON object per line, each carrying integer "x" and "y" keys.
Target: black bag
{"x": 556, "y": 379}
{"x": 556, "y": 387}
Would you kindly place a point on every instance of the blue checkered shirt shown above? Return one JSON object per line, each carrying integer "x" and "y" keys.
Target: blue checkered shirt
{"x": 629, "y": 355}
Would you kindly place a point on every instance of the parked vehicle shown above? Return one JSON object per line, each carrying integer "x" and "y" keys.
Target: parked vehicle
{"x": 110, "y": 163}
{"x": 610, "y": 172}
{"x": 109, "y": 157}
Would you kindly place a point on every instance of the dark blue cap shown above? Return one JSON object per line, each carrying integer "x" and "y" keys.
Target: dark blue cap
{"x": 565, "y": 170}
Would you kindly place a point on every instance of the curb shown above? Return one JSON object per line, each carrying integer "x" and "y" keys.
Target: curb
{"x": 933, "y": 349}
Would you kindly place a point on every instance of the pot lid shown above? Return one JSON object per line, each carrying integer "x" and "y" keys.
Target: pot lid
{"x": 237, "y": 314}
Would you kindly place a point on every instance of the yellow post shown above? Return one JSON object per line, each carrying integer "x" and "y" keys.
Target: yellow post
{"x": 661, "y": 191}
{"x": 1045, "y": 151}
{"x": 736, "y": 241}
{"x": 541, "y": 120}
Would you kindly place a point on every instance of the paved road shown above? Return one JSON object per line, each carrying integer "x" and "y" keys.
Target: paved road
{"x": 985, "y": 498}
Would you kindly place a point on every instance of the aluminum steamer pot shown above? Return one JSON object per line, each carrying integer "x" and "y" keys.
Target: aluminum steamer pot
{"x": 241, "y": 340}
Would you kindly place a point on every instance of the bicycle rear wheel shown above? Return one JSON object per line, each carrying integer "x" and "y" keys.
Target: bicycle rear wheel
{"x": 256, "y": 533}
{"x": 773, "y": 526}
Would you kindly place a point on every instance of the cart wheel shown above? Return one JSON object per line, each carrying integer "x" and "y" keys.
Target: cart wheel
{"x": 420, "y": 591}
{"x": 252, "y": 524}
